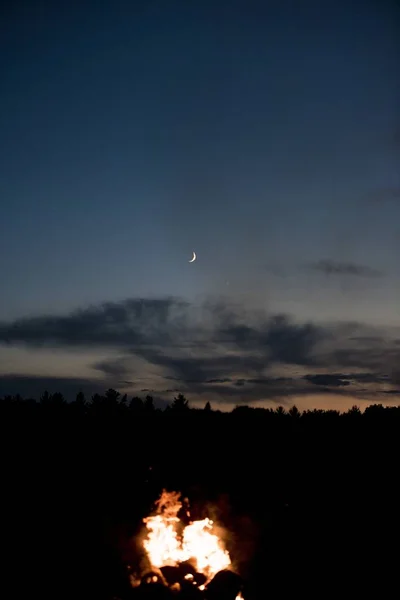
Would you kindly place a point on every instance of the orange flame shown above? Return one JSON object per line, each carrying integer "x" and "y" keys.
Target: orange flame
{"x": 197, "y": 541}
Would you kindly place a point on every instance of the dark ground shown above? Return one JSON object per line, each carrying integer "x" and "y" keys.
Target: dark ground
{"x": 311, "y": 501}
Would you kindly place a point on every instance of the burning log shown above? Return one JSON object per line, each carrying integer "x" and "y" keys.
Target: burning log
{"x": 178, "y": 573}
{"x": 153, "y": 591}
{"x": 226, "y": 585}
{"x": 153, "y": 576}
{"x": 184, "y": 576}
{"x": 153, "y": 586}
{"x": 190, "y": 592}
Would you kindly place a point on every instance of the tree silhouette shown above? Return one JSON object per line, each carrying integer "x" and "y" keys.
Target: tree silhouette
{"x": 354, "y": 412}
{"x": 375, "y": 411}
{"x": 136, "y": 404}
{"x": 180, "y": 404}
{"x": 149, "y": 404}
{"x": 294, "y": 412}
{"x": 58, "y": 399}
{"x": 80, "y": 399}
{"x": 97, "y": 401}
{"x": 79, "y": 405}
{"x": 112, "y": 396}
{"x": 45, "y": 398}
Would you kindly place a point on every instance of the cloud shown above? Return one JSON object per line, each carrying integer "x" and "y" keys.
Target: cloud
{"x": 216, "y": 348}
{"x": 342, "y": 379}
{"x": 328, "y": 379}
{"x": 331, "y": 267}
{"x": 147, "y": 327}
{"x": 133, "y": 321}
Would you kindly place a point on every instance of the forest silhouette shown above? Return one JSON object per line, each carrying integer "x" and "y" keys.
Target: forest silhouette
{"x": 310, "y": 499}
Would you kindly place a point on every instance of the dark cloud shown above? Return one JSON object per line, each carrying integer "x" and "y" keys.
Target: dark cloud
{"x": 327, "y": 380}
{"x": 133, "y": 321}
{"x": 292, "y": 343}
{"x": 231, "y": 341}
{"x": 331, "y": 267}
{"x": 145, "y": 326}
{"x": 374, "y": 358}
{"x": 218, "y": 347}
{"x": 199, "y": 369}
{"x": 341, "y": 379}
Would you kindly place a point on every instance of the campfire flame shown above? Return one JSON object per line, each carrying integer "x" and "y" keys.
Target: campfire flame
{"x": 169, "y": 543}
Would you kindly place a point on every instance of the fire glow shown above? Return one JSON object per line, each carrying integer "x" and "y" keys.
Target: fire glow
{"x": 169, "y": 542}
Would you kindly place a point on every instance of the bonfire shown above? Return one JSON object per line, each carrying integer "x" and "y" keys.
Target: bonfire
{"x": 191, "y": 553}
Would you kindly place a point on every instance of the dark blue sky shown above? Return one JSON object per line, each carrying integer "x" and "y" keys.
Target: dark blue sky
{"x": 263, "y": 135}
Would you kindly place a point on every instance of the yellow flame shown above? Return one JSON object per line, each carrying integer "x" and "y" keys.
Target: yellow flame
{"x": 162, "y": 544}
{"x": 198, "y": 541}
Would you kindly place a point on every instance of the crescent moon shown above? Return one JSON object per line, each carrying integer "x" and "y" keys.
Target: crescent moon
{"x": 193, "y": 257}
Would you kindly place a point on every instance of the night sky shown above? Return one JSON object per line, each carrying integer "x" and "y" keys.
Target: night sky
{"x": 265, "y": 136}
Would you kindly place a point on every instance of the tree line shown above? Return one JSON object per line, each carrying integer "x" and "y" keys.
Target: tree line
{"x": 112, "y": 400}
